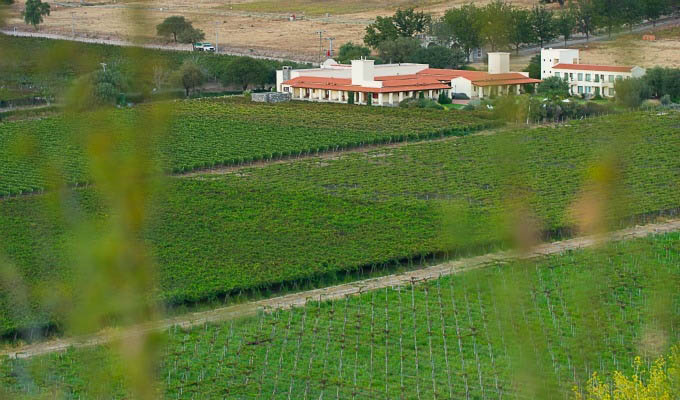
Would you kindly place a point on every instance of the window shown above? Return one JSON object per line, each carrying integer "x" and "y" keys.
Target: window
{"x": 619, "y": 77}
{"x": 580, "y": 76}
{"x": 589, "y": 89}
{"x": 597, "y": 78}
{"x": 597, "y": 91}
{"x": 612, "y": 92}
{"x": 587, "y": 77}
{"x": 611, "y": 78}
{"x": 571, "y": 76}
{"x": 557, "y": 74}
{"x": 580, "y": 90}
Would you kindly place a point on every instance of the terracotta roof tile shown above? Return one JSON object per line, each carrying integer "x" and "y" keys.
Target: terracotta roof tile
{"x": 590, "y": 67}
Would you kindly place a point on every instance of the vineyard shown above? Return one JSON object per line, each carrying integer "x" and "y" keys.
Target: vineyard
{"x": 204, "y": 134}
{"x": 315, "y": 220}
{"x": 464, "y": 336}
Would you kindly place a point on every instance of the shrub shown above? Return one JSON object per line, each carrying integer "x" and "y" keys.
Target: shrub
{"x": 631, "y": 92}
{"x": 666, "y": 99}
{"x": 444, "y": 98}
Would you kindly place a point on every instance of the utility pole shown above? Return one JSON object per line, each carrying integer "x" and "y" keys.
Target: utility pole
{"x": 217, "y": 31}
{"x": 320, "y": 44}
{"x": 73, "y": 25}
{"x": 330, "y": 46}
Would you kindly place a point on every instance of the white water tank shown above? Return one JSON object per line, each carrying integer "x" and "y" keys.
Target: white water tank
{"x": 499, "y": 63}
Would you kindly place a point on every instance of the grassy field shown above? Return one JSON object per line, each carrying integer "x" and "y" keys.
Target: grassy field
{"x": 203, "y": 134}
{"x": 311, "y": 220}
{"x": 534, "y": 329}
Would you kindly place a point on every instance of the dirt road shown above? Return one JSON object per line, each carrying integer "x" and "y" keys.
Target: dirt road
{"x": 339, "y": 291}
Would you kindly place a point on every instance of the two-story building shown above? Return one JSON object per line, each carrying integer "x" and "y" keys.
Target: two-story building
{"x": 584, "y": 79}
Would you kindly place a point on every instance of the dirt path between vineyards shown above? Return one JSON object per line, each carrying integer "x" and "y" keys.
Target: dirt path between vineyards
{"x": 340, "y": 291}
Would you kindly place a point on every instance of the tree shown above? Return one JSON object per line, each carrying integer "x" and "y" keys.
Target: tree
{"x": 108, "y": 83}
{"x": 409, "y": 22}
{"x": 534, "y": 67}
{"x": 190, "y": 76}
{"x": 609, "y": 12}
{"x": 381, "y": 30}
{"x": 520, "y": 28}
{"x": 439, "y": 57}
{"x": 631, "y": 92}
{"x": 654, "y": 9}
{"x": 553, "y": 86}
{"x": 632, "y": 12}
{"x": 565, "y": 24}
{"x": 543, "y": 24}
{"x": 586, "y": 16}
{"x": 496, "y": 19}
{"x": 34, "y": 12}
{"x": 6, "y": 2}
{"x": 190, "y": 35}
{"x": 179, "y": 28}
{"x": 245, "y": 71}
{"x": 399, "y": 50}
{"x": 404, "y": 23}
{"x": 350, "y": 51}
{"x": 464, "y": 25}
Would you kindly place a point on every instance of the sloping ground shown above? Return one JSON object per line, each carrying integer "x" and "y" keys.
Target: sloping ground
{"x": 311, "y": 221}
{"x": 562, "y": 317}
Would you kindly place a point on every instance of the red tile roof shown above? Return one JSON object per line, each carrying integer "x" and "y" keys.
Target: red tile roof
{"x": 448, "y": 74}
{"x": 407, "y": 83}
{"x": 512, "y": 78}
{"x": 590, "y": 67}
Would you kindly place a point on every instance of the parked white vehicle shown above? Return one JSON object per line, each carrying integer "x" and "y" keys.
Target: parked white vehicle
{"x": 204, "y": 47}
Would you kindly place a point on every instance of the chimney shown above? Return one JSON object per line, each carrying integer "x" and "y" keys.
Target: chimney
{"x": 286, "y": 72}
{"x": 363, "y": 72}
{"x": 499, "y": 63}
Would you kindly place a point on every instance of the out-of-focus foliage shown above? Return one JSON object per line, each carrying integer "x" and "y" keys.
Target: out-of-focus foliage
{"x": 660, "y": 382}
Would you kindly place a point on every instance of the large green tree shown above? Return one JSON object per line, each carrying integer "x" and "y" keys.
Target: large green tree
{"x": 439, "y": 57}
{"x": 520, "y": 28}
{"x": 496, "y": 20}
{"x": 189, "y": 76}
{"x": 400, "y": 50}
{"x": 565, "y": 24}
{"x": 586, "y": 16}
{"x": 609, "y": 13}
{"x": 34, "y": 12}
{"x": 245, "y": 71}
{"x": 462, "y": 26}
{"x": 404, "y": 23}
{"x": 180, "y": 29}
{"x": 350, "y": 51}
{"x": 543, "y": 25}
{"x": 410, "y": 22}
{"x": 654, "y": 9}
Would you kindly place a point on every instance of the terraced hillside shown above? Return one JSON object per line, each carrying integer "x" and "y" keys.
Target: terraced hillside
{"x": 463, "y": 336}
{"x": 320, "y": 218}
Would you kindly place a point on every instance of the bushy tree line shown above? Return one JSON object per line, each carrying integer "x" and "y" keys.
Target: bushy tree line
{"x": 394, "y": 40}
{"x": 499, "y": 25}
{"x": 658, "y": 82}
